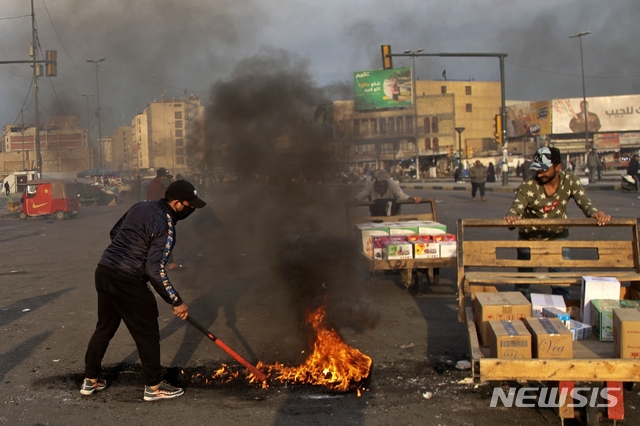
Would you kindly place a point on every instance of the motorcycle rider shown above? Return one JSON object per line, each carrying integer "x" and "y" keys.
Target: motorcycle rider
{"x": 632, "y": 169}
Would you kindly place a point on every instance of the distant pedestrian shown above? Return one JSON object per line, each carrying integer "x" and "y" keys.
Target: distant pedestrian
{"x": 491, "y": 173}
{"x": 457, "y": 174}
{"x": 7, "y": 188}
{"x": 478, "y": 177}
{"x": 593, "y": 163}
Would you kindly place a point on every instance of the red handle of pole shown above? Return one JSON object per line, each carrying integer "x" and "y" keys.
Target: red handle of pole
{"x": 259, "y": 374}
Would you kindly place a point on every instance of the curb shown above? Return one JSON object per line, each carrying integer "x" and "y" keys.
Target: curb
{"x": 510, "y": 188}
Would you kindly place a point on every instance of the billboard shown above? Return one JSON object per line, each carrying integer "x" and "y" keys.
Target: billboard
{"x": 377, "y": 89}
{"x": 606, "y": 114}
{"x": 529, "y": 119}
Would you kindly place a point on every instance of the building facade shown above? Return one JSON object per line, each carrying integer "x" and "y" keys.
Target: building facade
{"x": 63, "y": 147}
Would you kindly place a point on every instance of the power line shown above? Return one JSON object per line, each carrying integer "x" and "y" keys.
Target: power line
{"x": 60, "y": 39}
{"x": 15, "y": 17}
{"x": 570, "y": 75}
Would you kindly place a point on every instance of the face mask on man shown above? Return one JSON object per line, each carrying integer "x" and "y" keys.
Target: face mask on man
{"x": 185, "y": 212}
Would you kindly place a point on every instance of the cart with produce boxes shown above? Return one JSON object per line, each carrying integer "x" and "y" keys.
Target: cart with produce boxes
{"x": 416, "y": 245}
{"x": 586, "y": 349}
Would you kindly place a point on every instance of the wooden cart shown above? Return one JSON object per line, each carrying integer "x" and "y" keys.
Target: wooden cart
{"x": 418, "y": 272}
{"x": 480, "y": 268}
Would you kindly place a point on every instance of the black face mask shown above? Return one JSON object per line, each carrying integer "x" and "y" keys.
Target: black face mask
{"x": 186, "y": 211}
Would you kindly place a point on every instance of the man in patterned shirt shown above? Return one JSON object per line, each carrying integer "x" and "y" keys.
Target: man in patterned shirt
{"x": 547, "y": 197}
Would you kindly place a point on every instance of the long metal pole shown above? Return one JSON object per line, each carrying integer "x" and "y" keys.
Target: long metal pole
{"x": 99, "y": 123}
{"x": 584, "y": 99}
{"x": 88, "y": 130}
{"x": 415, "y": 116}
{"x": 587, "y": 145}
{"x": 34, "y": 57}
{"x": 503, "y": 113}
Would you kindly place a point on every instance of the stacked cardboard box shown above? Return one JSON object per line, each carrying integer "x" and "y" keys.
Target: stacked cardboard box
{"x": 539, "y": 301}
{"x": 551, "y": 339}
{"x": 596, "y": 288}
{"x": 510, "y": 305}
{"x": 509, "y": 339}
{"x": 626, "y": 333}
{"x": 602, "y": 318}
{"x": 428, "y": 240}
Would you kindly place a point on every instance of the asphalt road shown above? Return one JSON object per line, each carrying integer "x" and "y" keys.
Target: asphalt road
{"x": 254, "y": 260}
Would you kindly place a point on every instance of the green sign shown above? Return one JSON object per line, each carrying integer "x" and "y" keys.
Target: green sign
{"x": 378, "y": 89}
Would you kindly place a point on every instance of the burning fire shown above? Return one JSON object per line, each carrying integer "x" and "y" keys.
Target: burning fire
{"x": 332, "y": 364}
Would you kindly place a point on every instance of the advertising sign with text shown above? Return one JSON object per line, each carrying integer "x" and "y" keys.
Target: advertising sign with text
{"x": 606, "y": 114}
{"x": 529, "y": 119}
{"x": 379, "y": 89}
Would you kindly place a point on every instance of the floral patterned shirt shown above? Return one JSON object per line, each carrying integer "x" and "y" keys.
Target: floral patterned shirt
{"x": 532, "y": 202}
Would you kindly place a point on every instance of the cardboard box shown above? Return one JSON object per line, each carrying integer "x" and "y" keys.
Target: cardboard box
{"x": 418, "y": 237}
{"x": 507, "y": 305}
{"x": 509, "y": 339}
{"x": 393, "y": 250}
{"x": 425, "y": 250}
{"x": 448, "y": 249}
{"x": 378, "y": 242}
{"x": 596, "y": 288}
{"x": 626, "y": 333}
{"x": 602, "y": 318}
{"x": 579, "y": 330}
{"x": 431, "y": 228}
{"x": 550, "y": 338}
{"x": 630, "y": 303}
{"x": 403, "y": 228}
{"x": 365, "y": 232}
{"x": 558, "y": 314}
{"x": 539, "y": 301}
{"x": 444, "y": 237}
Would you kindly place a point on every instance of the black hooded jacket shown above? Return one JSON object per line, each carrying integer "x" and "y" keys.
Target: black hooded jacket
{"x": 141, "y": 242}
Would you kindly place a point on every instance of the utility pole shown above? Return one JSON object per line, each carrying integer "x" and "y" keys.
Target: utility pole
{"x": 87, "y": 96}
{"x": 34, "y": 58}
{"x": 95, "y": 61}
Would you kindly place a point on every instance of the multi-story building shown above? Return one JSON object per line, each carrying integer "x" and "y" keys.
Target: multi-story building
{"x": 424, "y": 130}
{"x": 63, "y": 147}
{"x": 169, "y": 134}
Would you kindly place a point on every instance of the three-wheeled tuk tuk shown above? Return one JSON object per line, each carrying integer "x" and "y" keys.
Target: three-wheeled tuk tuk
{"x": 50, "y": 197}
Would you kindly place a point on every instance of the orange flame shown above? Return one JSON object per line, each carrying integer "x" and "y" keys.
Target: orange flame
{"x": 332, "y": 364}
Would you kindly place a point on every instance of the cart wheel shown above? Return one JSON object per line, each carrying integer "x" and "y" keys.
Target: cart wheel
{"x": 420, "y": 281}
{"x": 22, "y": 215}
{"x": 60, "y": 215}
{"x": 434, "y": 278}
{"x": 591, "y": 416}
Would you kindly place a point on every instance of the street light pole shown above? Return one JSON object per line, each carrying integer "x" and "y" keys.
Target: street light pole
{"x": 87, "y": 96}
{"x": 96, "y": 61}
{"x": 459, "y": 130}
{"x": 415, "y": 107}
{"x": 584, "y": 92}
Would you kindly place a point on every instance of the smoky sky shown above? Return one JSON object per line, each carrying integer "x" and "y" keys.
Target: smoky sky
{"x": 169, "y": 48}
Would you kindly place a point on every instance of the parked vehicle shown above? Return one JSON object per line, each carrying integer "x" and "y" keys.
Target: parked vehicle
{"x": 50, "y": 197}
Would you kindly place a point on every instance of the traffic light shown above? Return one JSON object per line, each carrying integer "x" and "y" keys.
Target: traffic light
{"x": 451, "y": 151}
{"x": 469, "y": 151}
{"x": 387, "y": 63}
{"x": 52, "y": 64}
{"x": 498, "y": 130}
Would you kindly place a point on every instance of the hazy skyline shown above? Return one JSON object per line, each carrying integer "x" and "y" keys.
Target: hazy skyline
{"x": 156, "y": 47}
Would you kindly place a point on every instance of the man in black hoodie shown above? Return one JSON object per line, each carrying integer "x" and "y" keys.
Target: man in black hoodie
{"x": 141, "y": 243}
